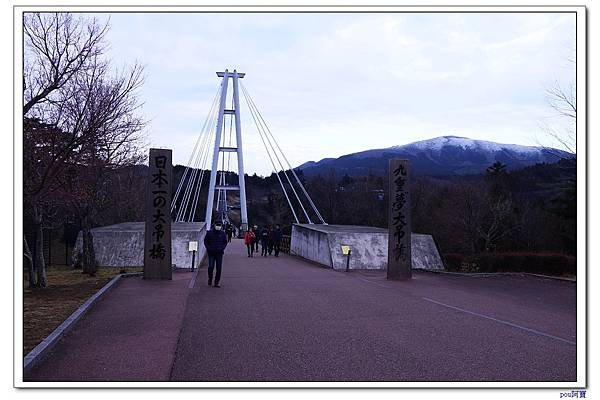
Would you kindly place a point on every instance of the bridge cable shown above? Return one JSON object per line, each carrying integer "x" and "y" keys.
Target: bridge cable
{"x": 200, "y": 168}
{"x": 181, "y": 215}
{"x": 252, "y": 105}
{"x": 187, "y": 167}
{"x": 272, "y": 162}
{"x": 201, "y": 165}
{"x": 268, "y": 145}
{"x": 201, "y": 140}
{"x": 288, "y": 163}
{"x": 314, "y": 207}
{"x": 186, "y": 197}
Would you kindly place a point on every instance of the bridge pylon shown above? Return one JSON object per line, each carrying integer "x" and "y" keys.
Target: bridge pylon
{"x": 219, "y": 153}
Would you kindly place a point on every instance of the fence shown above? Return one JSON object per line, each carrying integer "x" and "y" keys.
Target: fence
{"x": 56, "y": 250}
{"x": 285, "y": 244}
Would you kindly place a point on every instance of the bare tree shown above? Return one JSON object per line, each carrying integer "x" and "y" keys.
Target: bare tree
{"x": 563, "y": 101}
{"x": 496, "y": 222}
{"x": 28, "y": 259}
{"x": 561, "y": 97}
{"x": 44, "y": 154}
{"x": 104, "y": 109}
{"x": 468, "y": 211}
{"x": 58, "y": 47}
{"x": 75, "y": 113}
{"x": 482, "y": 215}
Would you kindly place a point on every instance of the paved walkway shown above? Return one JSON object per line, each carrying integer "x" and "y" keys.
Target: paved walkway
{"x": 129, "y": 335}
{"x": 283, "y": 319}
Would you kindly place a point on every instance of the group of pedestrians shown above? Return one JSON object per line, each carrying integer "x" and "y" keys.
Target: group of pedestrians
{"x": 217, "y": 238}
{"x": 268, "y": 237}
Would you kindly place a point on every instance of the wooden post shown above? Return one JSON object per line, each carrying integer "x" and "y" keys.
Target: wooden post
{"x": 399, "y": 246}
{"x": 157, "y": 237}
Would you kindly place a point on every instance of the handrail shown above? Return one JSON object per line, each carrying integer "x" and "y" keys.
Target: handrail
{"x": 285, "y": 243}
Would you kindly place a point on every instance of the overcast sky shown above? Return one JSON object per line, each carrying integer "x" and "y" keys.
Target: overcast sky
{"x": 333, "y": 84}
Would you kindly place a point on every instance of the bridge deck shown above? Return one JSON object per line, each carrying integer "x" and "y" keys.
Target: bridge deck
{"x": 287, "y": 320}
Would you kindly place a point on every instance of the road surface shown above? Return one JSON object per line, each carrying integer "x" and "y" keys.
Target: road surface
{"x": 284, "y": 319}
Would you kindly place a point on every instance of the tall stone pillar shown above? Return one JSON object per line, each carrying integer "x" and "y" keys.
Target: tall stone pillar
{"x": 399, "y": 246}
{"x": 157, "y": 238}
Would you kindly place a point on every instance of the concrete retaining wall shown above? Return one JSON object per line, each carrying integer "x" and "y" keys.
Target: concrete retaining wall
{"x": 322, "y": 244}
{"x": 310, "y": 244}
{"x": 122, "y": 245}
{"x": 424, "y": 252}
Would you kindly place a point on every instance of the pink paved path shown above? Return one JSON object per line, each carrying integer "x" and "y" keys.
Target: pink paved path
{"x": 129, "y": 335}
{"x": 287, "y": 320}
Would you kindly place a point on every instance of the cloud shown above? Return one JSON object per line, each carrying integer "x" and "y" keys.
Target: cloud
{"x": 331, "y": 84}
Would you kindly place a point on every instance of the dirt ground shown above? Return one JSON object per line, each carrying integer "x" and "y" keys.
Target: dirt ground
{"x": 45, "y": 309}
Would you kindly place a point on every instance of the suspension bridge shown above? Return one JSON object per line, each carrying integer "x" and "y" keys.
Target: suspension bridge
{"x": 311, "y": 237}
{"x": 217, "y": 139}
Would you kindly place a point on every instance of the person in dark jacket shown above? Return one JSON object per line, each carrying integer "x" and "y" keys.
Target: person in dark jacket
{"x": 270, "y": 240}
{"x": 256, "y": 238}
{"x": 277, "y": 237}
{"x": 229, "y": 232}
{"x": 215, "y": 242}
{"x": 264, "y": 241}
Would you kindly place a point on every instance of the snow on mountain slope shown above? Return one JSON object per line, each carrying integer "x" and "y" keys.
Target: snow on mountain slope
{"x": 466, "y": 143}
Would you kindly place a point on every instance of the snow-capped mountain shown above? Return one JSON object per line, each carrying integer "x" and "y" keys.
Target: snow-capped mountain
{"x": 445, "y": 155}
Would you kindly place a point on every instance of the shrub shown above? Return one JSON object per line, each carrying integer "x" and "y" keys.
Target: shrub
{"x": 458, "y": 262}
{"x": 537, "y": 263}
{"x": 453, "y": 261}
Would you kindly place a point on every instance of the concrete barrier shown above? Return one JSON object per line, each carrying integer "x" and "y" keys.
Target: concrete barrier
{"x": 323, "y": 244}
{"x": 122, "y": 245}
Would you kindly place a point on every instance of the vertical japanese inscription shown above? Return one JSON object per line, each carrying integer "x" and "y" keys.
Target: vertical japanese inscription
{"x": 157, "y": 241}
{"x": 399, "y": 250}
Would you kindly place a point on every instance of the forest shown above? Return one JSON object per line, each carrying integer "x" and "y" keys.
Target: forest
{"x": 526, "y": 211}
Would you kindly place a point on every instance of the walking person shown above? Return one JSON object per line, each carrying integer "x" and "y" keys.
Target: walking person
{"x": 256, "y": 238}
{"x": 229, "y": 232}
{"x": 215, "y": 242}
{"x": 277, "y": 237}
{"x": 270, "y": 240}
{"x": 249, "y": 242}
{"x": 264, "y": 240}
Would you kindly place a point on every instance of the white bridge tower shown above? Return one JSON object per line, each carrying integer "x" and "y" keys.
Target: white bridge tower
{"x": 219, "y": 152}
{"x": 186, "y": 201}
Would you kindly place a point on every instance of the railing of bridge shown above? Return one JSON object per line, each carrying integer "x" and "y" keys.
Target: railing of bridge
{"x": 285, "y": 244}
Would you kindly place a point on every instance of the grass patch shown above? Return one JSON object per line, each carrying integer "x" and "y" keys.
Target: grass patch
{"x": 45, "y": 309}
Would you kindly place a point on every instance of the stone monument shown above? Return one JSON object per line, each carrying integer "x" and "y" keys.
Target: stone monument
{"x": 399, "y": 243}
{"x": 157, "y": 236}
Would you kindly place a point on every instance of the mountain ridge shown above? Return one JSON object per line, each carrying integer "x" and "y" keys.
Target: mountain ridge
{"x": 443, "y": 155}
